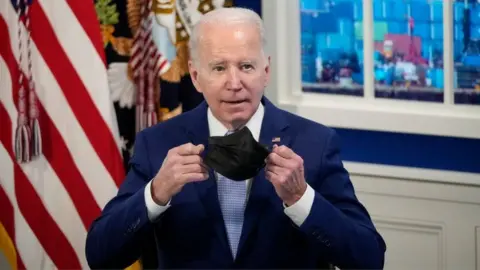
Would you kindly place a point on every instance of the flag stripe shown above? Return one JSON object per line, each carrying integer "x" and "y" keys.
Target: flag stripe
{"x": 29, "y": 251}
{"x": 32, "y": 208}
{"x": 90, "y": 70}
{"x": 88, "y": 19}
{"x": 28, "y": 246}
{"x": 76, "y": 93}
{"x": 48, "y": 186}
{"x": 59, "y": 156}
{"x": 63, "y": 164}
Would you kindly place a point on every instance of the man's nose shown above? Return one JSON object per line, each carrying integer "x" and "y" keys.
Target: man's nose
{"x": 233, "y": 80}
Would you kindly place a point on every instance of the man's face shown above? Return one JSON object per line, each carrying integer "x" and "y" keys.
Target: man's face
{"x": 231, "y": 71}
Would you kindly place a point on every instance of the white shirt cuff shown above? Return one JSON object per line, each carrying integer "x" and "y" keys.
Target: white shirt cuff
{"x": 300, "y": 210}
{"x": 154, "y": 210}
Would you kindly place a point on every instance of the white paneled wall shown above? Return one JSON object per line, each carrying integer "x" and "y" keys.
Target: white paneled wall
{"x": 426, "y": 224}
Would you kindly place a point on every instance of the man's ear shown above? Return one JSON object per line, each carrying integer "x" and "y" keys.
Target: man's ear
{"x": 267, "y": 71}
{"x": 192, "y": 69}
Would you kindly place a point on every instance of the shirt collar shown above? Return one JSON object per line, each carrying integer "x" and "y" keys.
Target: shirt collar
{"x": 254, "y": 124}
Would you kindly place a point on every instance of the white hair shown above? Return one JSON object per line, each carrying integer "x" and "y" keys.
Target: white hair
{"x": 225, "y": 16}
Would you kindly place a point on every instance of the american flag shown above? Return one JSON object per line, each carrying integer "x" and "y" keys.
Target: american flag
{"x": 48, "y": 203}
{"x": 147, "y": 63}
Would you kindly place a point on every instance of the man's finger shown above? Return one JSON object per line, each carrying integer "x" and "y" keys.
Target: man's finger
{"x": 191, "y": 159}
{"x": 194, "y": 177}
{"x": 184, "y": 149}
{"x": 276, "y": 159}
{"x": 284, "y": 151}
{"x": 268, "y": 175}
{"x": 273, "y": 178}
{"x": 190, "y": 149}
{"x": 193, "y": 168}
{"x": 198, "y": 149}
{"x": 275, "y": 169}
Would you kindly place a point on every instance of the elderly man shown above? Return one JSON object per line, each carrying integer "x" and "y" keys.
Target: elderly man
{"x": 297, "y": 210}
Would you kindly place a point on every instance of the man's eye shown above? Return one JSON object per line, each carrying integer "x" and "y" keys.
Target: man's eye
{"x": 218, "y": 68}
{"x": 247, "y": 67}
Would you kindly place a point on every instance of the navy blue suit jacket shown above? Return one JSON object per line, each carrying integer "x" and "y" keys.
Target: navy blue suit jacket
{"x": 191, "y": 233}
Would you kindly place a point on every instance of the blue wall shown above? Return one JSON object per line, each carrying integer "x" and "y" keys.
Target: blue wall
{"x": 401, "y": 149}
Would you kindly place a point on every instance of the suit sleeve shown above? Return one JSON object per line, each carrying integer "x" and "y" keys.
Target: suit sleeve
{"x": 115, "y": 239}
{"x": 338, "y": 223}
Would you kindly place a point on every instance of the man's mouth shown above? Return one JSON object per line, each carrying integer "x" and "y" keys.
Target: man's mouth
{"x": 235, "y": 101}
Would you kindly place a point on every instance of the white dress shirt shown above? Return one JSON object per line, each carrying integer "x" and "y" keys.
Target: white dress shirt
{"x": 297, "y": 212}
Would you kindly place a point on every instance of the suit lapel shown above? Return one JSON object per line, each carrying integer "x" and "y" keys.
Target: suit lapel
{"x": 198, "y": 133}
{"x": 274, "y": 127}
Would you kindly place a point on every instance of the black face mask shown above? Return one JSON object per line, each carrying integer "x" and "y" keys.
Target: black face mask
{"x": 237, "y": 156}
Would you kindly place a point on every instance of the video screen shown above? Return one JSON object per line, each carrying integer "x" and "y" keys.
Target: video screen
{"x": 408, "y": 48}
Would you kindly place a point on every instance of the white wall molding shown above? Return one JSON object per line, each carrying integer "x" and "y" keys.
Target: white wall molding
{"x": 421, "y": 190}
{"x": 411, "y": 225}
{"x": 388, "y": 115}
{"x": 414, "y": 174}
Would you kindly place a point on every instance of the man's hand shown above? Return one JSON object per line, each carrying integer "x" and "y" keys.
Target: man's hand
{"x": 285, "y": 171}
{"x": 182, "y": 165}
